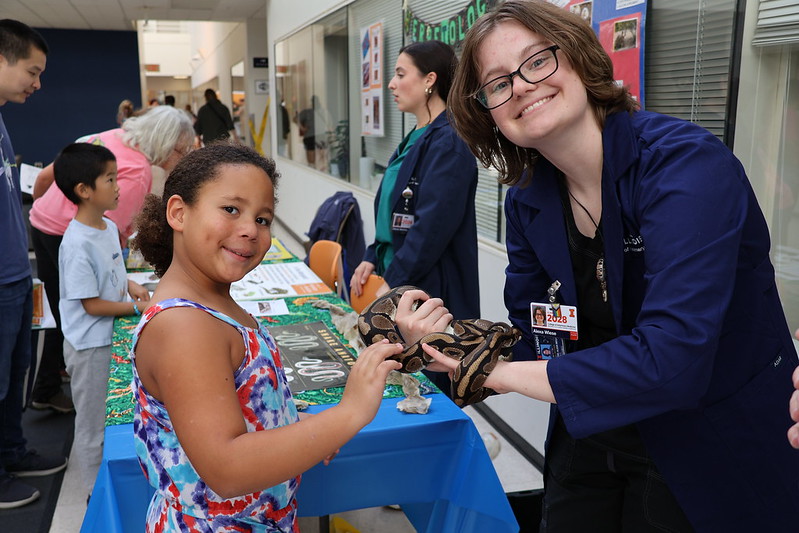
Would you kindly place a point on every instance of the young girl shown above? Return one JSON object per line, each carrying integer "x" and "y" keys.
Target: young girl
{"x": 216, "y": 431}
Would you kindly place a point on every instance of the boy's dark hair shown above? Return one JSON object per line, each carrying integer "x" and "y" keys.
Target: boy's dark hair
{"x": 80, "y": 163}
{"x": 16, "y": 40}
{"x": 154, "y": 234}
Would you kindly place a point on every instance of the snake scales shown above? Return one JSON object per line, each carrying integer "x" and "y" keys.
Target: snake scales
{"x": 478, "y": 344}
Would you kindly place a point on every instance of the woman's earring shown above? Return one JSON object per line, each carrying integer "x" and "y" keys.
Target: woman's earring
{"x": 428, "y": 90}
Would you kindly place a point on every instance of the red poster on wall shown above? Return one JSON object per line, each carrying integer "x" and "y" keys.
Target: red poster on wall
{"x": 621, "y": 38}
{"x": 620, "y": 26}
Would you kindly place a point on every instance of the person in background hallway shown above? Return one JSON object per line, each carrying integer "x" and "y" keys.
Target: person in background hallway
{"x": 144, "y": 144}
{"x": 190, "y": 112}
{"x": 669, "y": 409}
{"x": 23, "y": 58}
{"x": 214, "y": 122}
{"x": 426, "y": 229}
{"x": 94, "y": 289}
{"x": 313, "y": 123}
{"x": 124, "y": 111}
{"x": 169, "y": 100}
{"x": 207, "y": 377}
{"x": 154, "y": 102}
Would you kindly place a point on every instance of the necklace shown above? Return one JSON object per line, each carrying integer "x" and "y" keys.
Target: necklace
{"x": 600, "y": 263}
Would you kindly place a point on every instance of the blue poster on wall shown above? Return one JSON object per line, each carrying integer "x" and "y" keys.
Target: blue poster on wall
{"x": 619, "y": 24}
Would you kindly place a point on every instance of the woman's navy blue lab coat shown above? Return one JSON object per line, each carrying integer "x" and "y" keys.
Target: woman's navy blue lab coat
{"x": 704, "y": 356}
{"x": 439, "y": 252}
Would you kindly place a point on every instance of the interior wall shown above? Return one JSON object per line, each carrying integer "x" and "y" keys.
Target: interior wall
{"x": 88, "y": 74}
{"x": 170, "y": 51}
{"x": 217, "y": 46}
{"x": 256, "y": 103}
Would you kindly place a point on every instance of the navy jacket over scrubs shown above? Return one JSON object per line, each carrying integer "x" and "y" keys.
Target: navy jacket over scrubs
{"x": 704, "y": 356}
{"x": 439, "y": 252}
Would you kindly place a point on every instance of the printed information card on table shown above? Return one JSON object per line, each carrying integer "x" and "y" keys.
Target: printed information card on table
{"x": 278, "y": 280}
{"x": 266, "y": 307}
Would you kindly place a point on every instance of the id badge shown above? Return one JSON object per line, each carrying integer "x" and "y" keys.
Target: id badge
{"x": 549, "y": 347}
{"x": 554, "y": 320}
{"x": 401, "y": 222}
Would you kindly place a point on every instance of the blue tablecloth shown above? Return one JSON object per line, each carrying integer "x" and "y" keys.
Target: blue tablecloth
{"x": 435, "y": 466}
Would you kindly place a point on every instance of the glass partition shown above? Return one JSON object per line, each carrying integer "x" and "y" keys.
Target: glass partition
{"x": 312, "y": 91}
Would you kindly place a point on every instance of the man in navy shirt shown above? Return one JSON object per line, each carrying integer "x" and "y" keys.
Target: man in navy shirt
{"x": 23, "y": 56}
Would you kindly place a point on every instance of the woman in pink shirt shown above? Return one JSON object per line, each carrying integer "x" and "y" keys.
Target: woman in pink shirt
{"x": 160, "y": 137}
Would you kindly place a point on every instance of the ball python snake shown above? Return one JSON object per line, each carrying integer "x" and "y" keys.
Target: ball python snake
{"x": 478, "y": 344}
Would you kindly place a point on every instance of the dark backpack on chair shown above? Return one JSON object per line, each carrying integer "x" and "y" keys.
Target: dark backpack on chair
{"x": 339, "y": 219}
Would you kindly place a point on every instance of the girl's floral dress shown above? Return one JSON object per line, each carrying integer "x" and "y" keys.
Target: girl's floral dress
{"x": 182, "y": 501}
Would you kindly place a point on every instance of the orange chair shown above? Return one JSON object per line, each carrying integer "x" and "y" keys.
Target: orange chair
{"x": 324, "y": 259}
{"x": 368, "y": 293}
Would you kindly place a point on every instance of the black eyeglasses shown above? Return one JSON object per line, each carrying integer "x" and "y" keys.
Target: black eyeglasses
{"x": 534, "y": 69}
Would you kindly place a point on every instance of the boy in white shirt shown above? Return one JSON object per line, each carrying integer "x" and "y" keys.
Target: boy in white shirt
{"x": 93, "y": 286}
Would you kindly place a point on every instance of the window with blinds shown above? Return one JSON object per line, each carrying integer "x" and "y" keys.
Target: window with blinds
{"x": 777, "y": 23}
{"x": 689, "y": 60}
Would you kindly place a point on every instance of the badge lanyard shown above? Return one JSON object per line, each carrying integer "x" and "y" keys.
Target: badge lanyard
{"x": 402, "y": 221}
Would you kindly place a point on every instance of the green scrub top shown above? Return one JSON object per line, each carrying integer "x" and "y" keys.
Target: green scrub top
{"x": 385, "y": 249}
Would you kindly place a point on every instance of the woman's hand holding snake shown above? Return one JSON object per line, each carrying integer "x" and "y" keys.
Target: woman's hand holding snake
{"x": 414, "y": 323}
{"x": 442, "y": 363}
{"x": 409, "y": 316}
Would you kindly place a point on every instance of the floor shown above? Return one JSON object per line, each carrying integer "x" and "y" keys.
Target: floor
{"x": 515, "y": 473}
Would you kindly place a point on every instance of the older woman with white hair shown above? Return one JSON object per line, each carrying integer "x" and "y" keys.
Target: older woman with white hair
{"x": 155, "y": 140}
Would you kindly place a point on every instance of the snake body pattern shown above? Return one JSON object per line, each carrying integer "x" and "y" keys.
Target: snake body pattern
{"x": 478, "y": 344}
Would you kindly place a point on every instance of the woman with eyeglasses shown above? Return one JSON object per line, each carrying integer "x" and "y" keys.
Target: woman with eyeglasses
{"x": 669, "y": 401}
{"x": 152, "y": 142}
{"x": 425, "y": 223}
